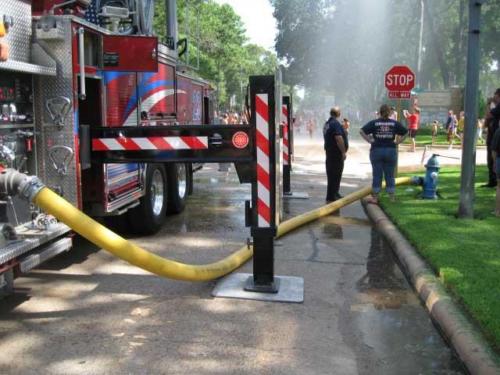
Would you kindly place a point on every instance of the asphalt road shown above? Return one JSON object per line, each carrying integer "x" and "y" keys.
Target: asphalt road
{"x": 87, "y": 312}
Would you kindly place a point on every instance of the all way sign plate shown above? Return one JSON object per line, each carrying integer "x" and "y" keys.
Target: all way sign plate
{"x": 399, "y": 94}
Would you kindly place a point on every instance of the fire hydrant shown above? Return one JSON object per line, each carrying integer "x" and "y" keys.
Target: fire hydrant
{"x": 431, "y": 178}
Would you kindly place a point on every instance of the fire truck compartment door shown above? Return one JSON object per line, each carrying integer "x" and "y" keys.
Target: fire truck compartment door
{"x": 130, "y": 53}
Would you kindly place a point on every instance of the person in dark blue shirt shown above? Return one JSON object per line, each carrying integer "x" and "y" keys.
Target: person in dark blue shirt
{"x": 383, "y": 134}
{"x": 336, "y": 145}
{"x": 495, "y": 146}
{"x": 492, "y": 122}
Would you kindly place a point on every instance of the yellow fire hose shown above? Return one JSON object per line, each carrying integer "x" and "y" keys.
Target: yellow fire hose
{"x": 57, "y": 206}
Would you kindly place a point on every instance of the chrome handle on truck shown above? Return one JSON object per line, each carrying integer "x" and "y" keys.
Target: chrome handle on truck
{"x": 58, "y": 108}
{"x": 61, "y": 157}
{"x": 81, "y": 56}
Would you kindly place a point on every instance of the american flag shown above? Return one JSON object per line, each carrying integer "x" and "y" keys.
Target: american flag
{"x": 91, "y": 13}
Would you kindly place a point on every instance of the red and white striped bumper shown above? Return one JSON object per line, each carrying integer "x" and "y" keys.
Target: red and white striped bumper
{"x": 149, "y": 143}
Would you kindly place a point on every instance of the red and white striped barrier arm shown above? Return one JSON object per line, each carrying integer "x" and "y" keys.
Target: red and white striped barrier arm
{"x": 263, "y": 164}
{"x": 149, "y": 143}
{"x": 286, "y": 155}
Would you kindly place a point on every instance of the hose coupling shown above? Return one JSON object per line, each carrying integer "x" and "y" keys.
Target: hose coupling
{"x": 417, "y": 180}
{"x": 30, "y": 188}
{"x": 14, "y": 183}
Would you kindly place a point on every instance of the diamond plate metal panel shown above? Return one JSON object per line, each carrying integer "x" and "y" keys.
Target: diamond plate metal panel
{"x": 32, "y": 239}
{"x": 49, "y": 135}
{"x": 56, "y": 33}
{"x": 19, "y": 36}
{"x": 44, "y": 253}
{"x": 19, "y": 66}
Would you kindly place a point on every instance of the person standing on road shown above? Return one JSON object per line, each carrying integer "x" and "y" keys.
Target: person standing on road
{"x": 346, "y": 124}
{"x": 491, "y": 123}
{"x": 311, "y": 127}
{"x": 480, "y": 127}
{"x": 449, "y": 120}
{"x": 394, "y": 114}
{"x": 461, "y": 127}
{"x": 413, "y": 120}
{"x": 451, "y": 131}
{"x": 435, "y": 127}
{"x": 336, "y": 145}
{"x": 384, "y": 135}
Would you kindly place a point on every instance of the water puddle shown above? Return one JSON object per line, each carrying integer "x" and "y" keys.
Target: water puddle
{"x": 387, "y": 319}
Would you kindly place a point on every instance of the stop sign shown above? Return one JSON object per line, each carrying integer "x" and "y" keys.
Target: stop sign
{"x": 399, "y": 78}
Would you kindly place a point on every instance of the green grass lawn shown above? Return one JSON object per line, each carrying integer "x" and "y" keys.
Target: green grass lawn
{"x": 441, "y": 139}
{"x": 464, "y": 253}
{"x": 424, "y": 137}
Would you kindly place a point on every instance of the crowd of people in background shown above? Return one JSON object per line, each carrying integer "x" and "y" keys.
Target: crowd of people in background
{"x": 307, "y": 122}
{"x": 384, "y": 133}
{"x": 232, "y": 118}
{"x": 455, "y": 129}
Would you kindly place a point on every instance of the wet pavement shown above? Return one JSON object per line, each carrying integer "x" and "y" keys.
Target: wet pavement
{"x": 87, "y": 312}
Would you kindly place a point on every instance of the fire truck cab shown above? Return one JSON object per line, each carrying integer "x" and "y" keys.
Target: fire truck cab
{"x": 65, "y": 68}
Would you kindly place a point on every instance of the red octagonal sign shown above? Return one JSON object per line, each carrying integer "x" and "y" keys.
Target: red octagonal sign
{"x": 399, "y": 78}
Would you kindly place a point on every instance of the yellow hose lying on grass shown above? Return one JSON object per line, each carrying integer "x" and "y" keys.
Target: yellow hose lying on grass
{"x": 53, "y": 204}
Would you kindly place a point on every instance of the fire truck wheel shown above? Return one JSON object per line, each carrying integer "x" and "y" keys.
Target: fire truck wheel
{"x": 190, "y": 178}
{"x": 6, "y": 283}
{"x": 149, "y": 215}
{"x": 178, "y": 187}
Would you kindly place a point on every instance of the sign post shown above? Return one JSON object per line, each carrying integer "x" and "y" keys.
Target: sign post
{"x": 287, "y": 145}
{"x": 466, "y": 206}
{"x": 288, "y": 150}
{"x": 399, "y": 81}
{"x": 264, "y": 211}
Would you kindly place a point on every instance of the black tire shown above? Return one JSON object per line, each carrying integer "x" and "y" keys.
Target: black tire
{"x": 117, "y": 223}
{"x": 149, "y": 216}
{"x": 190, "y": 178}
{"x": 8, "y": 288}
{"x": 178, "y": 177}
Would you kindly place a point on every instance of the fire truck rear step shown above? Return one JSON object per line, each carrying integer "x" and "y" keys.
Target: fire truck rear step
{"x": 31, "y": 239}
{"x": 44, "y": 253}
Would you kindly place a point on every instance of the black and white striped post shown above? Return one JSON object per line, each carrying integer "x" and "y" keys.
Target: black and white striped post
{"x": 287, "y": 143}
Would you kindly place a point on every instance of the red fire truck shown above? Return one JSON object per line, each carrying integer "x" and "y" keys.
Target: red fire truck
{"x": 67, "y": 67}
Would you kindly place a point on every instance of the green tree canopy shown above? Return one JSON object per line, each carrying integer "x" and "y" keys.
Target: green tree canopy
{"x": 344, "y": 47}
{"x": 225, "y": 56}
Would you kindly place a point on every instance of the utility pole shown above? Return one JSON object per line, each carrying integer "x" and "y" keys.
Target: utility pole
{"x": 466, "y": 206}
{"x": 420, "y": 44}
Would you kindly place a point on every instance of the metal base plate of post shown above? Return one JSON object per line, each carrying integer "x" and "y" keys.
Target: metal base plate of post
{"x": 290, "y": 289}
{"x": 296, "y": 195}
{"x": 251, "y": 286}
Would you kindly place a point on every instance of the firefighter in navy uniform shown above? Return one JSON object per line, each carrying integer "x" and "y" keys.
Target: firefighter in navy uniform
{"x": 336, "y": 145}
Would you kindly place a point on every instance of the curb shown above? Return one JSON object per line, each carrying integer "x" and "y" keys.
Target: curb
{"x": 462, "y": 335}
